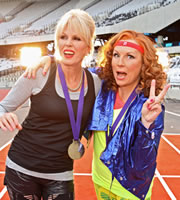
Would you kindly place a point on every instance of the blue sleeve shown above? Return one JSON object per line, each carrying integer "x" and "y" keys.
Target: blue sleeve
{"x": 145, "y": 147}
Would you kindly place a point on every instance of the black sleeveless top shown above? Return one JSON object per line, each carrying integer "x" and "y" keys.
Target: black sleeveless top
{"x": 42, "y": 144}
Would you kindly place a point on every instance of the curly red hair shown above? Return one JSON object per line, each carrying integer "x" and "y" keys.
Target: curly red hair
{"x": 151, "y": 69}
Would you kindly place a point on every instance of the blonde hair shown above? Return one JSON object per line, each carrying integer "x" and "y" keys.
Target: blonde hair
{"x": 81, "y": 22}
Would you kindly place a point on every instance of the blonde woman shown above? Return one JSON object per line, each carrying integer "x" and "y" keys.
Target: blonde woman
{"x": 40, "y": 160}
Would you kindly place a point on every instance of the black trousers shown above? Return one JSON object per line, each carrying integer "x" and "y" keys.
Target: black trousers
{"x": 21, "y": 186}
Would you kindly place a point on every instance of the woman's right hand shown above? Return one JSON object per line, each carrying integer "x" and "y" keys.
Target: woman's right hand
{"x": 9, "y": 121}
{"x": 44, "y": 62}
{"x": 152, "y": 107}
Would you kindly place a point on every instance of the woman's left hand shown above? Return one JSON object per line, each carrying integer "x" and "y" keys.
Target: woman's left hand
{"x": 152, "y": 107}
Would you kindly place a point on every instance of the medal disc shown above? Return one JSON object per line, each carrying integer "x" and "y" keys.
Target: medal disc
{"x": 76, "y": 150}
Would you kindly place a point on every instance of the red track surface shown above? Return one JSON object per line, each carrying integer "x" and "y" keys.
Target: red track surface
{"x": 3, "y": 93}
{"x": 168, "y": 164}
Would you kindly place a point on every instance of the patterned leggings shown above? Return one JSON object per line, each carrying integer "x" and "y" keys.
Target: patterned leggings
{"x": 103, "y": 194}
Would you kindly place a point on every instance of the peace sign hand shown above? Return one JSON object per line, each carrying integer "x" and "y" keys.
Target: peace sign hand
{"x": 152, "y": 107}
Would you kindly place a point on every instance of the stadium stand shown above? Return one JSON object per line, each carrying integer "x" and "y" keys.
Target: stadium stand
{"x": 34, "y": 21}
{"x": 29, "y": 15}
{"x": 129, "y": 9}
{"x": 46, "y": 24}
{"x": 6, "y": 7}
{"x": 46, "y": 14}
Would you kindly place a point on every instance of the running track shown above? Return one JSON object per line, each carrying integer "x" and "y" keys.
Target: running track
{"x": 167, "y": 178}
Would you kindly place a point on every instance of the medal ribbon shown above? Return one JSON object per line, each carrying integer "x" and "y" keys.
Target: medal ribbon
{"x": 74, "y": 125}
{"x": 126, "y": 105}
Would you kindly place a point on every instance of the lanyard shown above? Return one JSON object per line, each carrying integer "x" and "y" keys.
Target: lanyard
{"x": 74, "y": 125}
{"x": 126, "y": 105}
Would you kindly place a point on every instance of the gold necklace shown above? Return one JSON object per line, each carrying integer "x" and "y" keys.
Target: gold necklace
{"x": 79, "y": 85}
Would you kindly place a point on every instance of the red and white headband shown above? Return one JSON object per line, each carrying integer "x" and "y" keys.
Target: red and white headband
{"x": 129, "y": 44}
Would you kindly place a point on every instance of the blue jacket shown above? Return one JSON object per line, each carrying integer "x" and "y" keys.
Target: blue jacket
{"x": 131, "y": 153}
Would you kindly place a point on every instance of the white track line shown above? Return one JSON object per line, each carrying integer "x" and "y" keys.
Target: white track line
{"x": 174, "y": 147}
{"x": 5, "y": 145}
{"x": 82, "y": 174}
{"x": 177, "y": 134}
{"x": 165, "y": 186}
{"x": 172, "y": 113}
{"x": 4, "y": 190}
{"x": 170, "y": 176}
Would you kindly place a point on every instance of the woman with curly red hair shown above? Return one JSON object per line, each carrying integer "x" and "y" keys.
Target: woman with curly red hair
{"x": 128, "y": 117}
{"x": 151, "y": 69}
